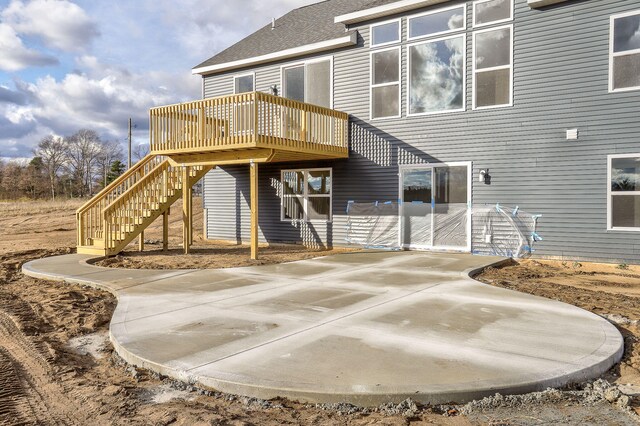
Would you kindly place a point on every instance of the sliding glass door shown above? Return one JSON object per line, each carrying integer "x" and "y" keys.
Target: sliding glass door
{"x": 436, "y": 208}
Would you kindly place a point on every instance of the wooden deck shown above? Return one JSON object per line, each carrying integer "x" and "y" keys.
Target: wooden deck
{"x": 250, "y": 126}
{"x": 189, "y": 139}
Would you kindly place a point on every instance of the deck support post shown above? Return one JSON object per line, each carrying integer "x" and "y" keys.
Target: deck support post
{"x": 254, "y": 209}
{"x": 141, "y": 242}
{"x": 186, "y": 210}
{"x": 165, "y": 230}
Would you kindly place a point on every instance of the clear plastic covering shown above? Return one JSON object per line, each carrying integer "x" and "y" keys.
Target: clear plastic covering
{"x": 496, "y": 230}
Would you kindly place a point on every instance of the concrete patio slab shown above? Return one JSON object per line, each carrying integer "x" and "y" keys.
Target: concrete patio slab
{"x": 365, "y": 328}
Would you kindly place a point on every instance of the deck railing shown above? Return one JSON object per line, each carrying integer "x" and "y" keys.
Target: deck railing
{"x": 247, "y": 120}
{"x": 90, "y": 217}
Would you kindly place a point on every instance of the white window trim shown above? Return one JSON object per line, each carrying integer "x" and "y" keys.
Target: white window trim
{"x": 611, "y": 194}
{"x": 464, "y": 77}
{"x": 613, "y": 54}
{"x": 433, "y": 12}
{"x": 237, "y": 76}
{"x": 433, "y": 166}
{"x": 499, "y": 21}
{"x": 305, "y": 63}
{"x": 305, "y": 196}
{"x": 510, "y": 67}
{"x": 379, "y": 24}
{"x": 372, "y": 86}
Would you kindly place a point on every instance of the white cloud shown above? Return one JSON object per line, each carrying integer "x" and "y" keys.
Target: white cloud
{"x": 14, "y": 55}
{"x": 60, "y": 24}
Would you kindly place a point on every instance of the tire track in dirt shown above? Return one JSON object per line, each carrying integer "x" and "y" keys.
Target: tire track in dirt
{"x": 29, "y": 393}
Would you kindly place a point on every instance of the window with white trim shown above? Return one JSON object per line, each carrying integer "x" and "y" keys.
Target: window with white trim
{"x": 244, "y": 83}
{"x": 624, "y": 51}
{"x": 624, "y": 192}
{"x": 437, "y": 22}
{"x": 309, "y": 82}
{"x": 493, "y": 67}
{"x": 306, "y": 195}
{"x": 487, "y": 12}
{"x": 385, "y": 33}
{"x": 385, "y": 83}
{"x": 437, "y": 76}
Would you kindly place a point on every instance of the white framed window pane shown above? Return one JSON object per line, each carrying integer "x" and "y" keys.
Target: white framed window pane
{"x": 294, "y": 83}
{"x": 386, "y": 66}
{"x": 436, "y": 76}
{"x": 293, "y": 208}
{"x": 244, "y": 84}
{"x": 386, "y": 102}
{"x": 626, "y": 33}
{"x": 493, "y": 88}
{"x": 319, "y": 182}
{"x": 493, "y": 48}
{"x": 439, "y": 22}
{"x": 626, "y": 71}
{"x": 625, "y": 174}
{"x": 625, "y": 211}
{"x": 450, "y": 185}
{"x": 385, "y": 33}
{"x": 318, "y": 84}
{"x": 293, "y": 183}
{"x": 319, "y": 208}
{"x": 492, "y": 11}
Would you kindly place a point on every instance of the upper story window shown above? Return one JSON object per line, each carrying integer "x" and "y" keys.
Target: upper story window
{"x": 624, "y": 192}
{"x": 306, "y": 195}
{"x": 436, "y": 67}
{"x": 385, "y": 33}
{"x": 437, "y": 22}
{"x": 309, "y": 82}
{"x": 624, "y": 61}
{"x": 244, "y": 83}
{"x": 487, "y": 12}
{"x": 492, "y": 54}
{"x": 385, "y": 83}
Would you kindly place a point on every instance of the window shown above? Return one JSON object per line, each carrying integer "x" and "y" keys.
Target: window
{"x": 309, "y": 82}
{"x": 624, "y": 192}
{"x": 385, "y": 83}
{"x": 493, "y": 67}
{"x": 244, "y": 83}
{"x": 624, "y": 61}
{"x": 437, "y": 76}
{"x": 438, "y": 22}
{"x": 385, "y": 33}
{"x": 306, "y": 195}
{"x": 487, "y": 12}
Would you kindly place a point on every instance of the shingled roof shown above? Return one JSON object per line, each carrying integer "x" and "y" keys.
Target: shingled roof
{"x": 300, "y": 27}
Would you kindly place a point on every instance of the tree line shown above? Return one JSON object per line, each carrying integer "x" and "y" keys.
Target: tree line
{"x": 65, "y": 167}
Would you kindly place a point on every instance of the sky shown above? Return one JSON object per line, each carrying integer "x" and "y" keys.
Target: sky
{"x": 67, "y": 65}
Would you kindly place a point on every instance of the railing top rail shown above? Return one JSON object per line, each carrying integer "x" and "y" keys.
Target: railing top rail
{"x": 96, "y": 198}
{"x": 186, "y": 104}
{"x": 135, "y": 186}
{"x": 266, "y": 97}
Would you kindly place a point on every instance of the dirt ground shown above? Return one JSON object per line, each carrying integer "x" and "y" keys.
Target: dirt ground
{"x": 58, "y": 367}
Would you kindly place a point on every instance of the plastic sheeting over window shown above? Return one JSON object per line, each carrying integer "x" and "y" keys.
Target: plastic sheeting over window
{"x": 496, "y": 230}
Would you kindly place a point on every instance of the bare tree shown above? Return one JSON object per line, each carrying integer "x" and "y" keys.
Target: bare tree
{"x": 140, "y": 151}
{"x": 82, "y": 151}
{"x": 51, "y": 150}
{"x": 111, "y": 151}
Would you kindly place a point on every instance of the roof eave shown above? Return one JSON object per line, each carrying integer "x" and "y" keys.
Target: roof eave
{"x": 350, "y": 39}
{"x": 385, "y": 10}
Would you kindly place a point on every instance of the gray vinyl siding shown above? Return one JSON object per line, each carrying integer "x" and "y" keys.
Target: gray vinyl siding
{"x": 561, "y": 65}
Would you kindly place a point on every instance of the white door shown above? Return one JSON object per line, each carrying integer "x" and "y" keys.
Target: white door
{"x": 435, "y": 207}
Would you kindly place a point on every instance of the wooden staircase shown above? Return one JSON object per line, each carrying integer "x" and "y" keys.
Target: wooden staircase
{"x": 124, "y": 209}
